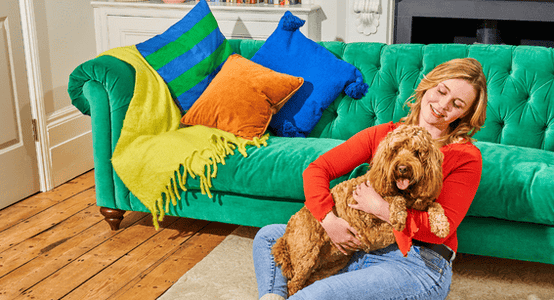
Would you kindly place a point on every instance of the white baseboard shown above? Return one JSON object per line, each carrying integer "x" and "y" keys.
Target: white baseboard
{"x": 70, "y": 136}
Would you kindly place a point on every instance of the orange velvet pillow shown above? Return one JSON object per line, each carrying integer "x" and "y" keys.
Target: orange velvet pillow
{"x": 242, "y": 98}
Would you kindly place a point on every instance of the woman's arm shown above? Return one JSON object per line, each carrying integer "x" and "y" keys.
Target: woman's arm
{"x": 333, "y": 164}
{"x": 337, "y": 162}
{"x": 319, "y": 201}
{"x": 462, "y": 173}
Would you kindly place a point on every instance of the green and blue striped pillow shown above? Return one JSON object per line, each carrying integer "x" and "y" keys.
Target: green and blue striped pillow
{"x": 188, "y": 55}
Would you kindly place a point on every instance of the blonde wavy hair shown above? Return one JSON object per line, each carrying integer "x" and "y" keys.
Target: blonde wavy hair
{"x": 464, "y": 128}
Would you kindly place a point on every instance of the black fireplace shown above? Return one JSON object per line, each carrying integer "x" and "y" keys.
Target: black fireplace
{"x": 515, "y": 22}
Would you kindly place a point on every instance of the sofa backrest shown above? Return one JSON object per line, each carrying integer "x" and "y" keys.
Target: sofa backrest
{"x": 520, "y": 82}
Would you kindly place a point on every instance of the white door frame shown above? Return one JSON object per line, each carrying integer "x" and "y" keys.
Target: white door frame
{"x": 36, "y": 94}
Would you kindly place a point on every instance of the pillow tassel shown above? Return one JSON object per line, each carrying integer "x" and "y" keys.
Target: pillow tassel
{"x": 358, "y": 89}
{"x": 292, "y": 22}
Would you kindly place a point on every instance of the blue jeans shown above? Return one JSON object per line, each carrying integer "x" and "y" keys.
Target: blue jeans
{"x": 381, "y": 274}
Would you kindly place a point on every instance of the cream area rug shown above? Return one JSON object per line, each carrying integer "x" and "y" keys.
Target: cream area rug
{"x": 228, "y": 273}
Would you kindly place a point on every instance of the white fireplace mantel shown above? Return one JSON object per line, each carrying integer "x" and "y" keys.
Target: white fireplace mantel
{"x": 128, "y": 23}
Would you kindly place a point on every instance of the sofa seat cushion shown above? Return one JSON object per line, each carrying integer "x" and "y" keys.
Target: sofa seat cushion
{"x": 274, "y": 171}
{"x": 516, "y": 184}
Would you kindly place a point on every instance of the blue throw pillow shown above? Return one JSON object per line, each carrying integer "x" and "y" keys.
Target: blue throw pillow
{"x": 188, "y": 55}
{"x": 288, "y": 51}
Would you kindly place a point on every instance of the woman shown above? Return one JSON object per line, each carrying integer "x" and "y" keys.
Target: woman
{"x": 450, "y": 102}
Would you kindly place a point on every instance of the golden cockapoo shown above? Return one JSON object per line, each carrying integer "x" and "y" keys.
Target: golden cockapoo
{"x": 406, "y": 171}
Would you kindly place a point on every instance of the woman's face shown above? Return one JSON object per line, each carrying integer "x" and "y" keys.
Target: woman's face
{"x": 445, "y": 103}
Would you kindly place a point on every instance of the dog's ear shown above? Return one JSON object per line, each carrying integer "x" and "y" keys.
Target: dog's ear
{"x": 380, "y": 165}
{"x": 433, "y": 170}
{"x": 377, "y": 180}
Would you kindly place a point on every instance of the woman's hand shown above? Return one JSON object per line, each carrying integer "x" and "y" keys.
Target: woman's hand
{"x": 370, "y": 202}
{"x": 343, "y": 236}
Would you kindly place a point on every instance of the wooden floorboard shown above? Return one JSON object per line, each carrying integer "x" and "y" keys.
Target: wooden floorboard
{"x": 56, "y": 245}
{"x": 22, "y": 210}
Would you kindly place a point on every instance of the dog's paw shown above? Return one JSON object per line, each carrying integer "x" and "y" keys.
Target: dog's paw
{"x": 439, "y": 225}
{"x": 438, "y": 221}
{"x": 398, "y": 220}
{"x": 398, "y": 212}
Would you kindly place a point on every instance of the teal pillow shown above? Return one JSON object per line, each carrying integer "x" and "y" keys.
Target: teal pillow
{"x": 288, "y": 51}
{"x": 516, "y": 184}
{"x": 188, "y": 55}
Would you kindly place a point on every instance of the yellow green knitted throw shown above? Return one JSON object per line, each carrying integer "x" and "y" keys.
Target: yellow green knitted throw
{"x": 152, "y": 147}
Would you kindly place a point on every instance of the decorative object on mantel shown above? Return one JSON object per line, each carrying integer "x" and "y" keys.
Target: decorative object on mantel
{"x": 367, "y": 15}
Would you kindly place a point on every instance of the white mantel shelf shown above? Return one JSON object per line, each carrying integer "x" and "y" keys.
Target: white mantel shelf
{"x": 128, "y": 23}
{"x": 214, "y": 6}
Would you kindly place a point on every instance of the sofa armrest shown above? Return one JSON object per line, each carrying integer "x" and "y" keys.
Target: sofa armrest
{"x": 102, "y": 88}
{"x": 116, "y": 77}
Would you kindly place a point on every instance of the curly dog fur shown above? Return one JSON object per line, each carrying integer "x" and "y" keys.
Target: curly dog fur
{"x": 306, "y": 253}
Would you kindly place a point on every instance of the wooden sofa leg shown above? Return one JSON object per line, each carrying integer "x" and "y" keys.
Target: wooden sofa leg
{"x": 113, "y": 216}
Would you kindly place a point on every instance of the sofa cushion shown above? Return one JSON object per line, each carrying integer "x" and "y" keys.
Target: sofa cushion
{"x": 274, "y": 171}
{"x": 242, "y": 98}
{"x": 516, "y": 184}
{"x": 288, "y": 51}
{"x": 188, "y": 55}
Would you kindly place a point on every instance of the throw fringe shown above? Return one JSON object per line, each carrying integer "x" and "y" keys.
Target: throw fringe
{"x": 204, "y": 165}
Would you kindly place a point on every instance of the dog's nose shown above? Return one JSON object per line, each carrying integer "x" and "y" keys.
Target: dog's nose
{"x": 402, "y": 169}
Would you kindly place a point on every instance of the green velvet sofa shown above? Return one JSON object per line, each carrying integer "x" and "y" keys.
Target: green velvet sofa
{"x": 512, "y": 215}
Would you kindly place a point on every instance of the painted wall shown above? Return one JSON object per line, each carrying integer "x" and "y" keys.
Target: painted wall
{"x": 65, "y": 31}
{"x": 65, "y": 34}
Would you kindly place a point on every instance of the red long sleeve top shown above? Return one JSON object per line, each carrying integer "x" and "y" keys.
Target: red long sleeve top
{"x": 461, "y": 167}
